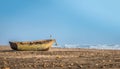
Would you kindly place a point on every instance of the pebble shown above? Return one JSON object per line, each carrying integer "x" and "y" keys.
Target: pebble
{"x": 103, "y": 60}
{"x": 109, "y": 60}
{"x": 80, "y": 66}
{"x": 44, "y": 65}
{"x": 58, "y": 56}
{"x": 92, "y": 54}
{"x": 34, "y": 66}
{"x": 69, "y": 66}
{"x": 15, "y": 65}
{"x": 96, "y": 64}
{"x": 76, "y": 61}
{"x": 61, "y": 65}
{"x": 29, "y": 65}
{"x": 72, "y": 64}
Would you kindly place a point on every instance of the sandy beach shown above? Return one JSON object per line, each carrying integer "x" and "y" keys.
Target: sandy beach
{"x": 59, "y": 58}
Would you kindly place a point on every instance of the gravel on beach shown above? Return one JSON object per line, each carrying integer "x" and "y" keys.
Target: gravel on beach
{"x": 59, "y": 58}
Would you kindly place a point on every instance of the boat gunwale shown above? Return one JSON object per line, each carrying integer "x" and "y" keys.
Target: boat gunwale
{"x": 33, "y": 42}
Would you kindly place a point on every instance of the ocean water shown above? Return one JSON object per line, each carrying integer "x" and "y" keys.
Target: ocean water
{"x": 87, "y": 46}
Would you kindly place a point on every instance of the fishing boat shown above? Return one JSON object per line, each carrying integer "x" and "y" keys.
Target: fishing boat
{"x": 39, "y": 45}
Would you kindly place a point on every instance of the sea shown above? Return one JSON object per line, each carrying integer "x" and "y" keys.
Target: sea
{"x": 88, "y": 46}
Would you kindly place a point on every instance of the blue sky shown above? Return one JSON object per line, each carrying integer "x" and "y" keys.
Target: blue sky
{"x": 68, "y": 21}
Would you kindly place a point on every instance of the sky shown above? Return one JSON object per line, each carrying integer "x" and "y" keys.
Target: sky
{"x": 68, "y": 21}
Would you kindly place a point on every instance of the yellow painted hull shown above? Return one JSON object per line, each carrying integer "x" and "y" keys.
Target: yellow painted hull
{"x": 42, "y": 45}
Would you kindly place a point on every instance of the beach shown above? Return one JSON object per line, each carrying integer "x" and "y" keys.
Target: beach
{"x": 59, "y": 58}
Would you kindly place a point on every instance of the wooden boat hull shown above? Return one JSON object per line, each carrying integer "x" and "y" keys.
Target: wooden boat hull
{"x": 42, "y": 45}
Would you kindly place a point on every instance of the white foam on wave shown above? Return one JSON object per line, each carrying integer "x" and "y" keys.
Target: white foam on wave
{"x": 105, "y": 46}
{"x": 71, "y": 45}
{"x": 98, "y": 46}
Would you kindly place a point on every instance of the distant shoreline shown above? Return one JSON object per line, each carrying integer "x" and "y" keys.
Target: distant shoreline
{"x": 60, "y": 48}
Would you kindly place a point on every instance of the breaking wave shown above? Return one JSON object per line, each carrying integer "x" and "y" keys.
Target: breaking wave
{"x": 98, "y": 46}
